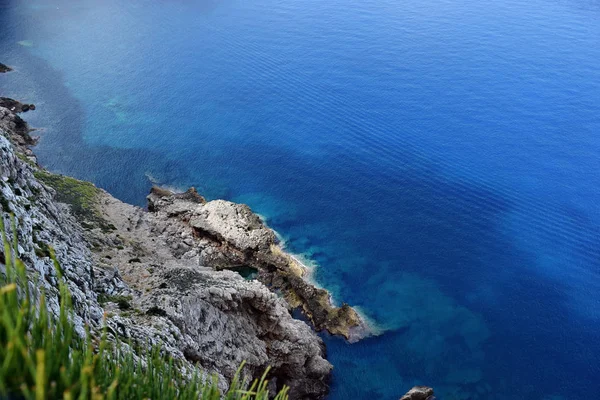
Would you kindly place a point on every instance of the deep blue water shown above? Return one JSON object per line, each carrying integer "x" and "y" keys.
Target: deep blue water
{"x": 439, "y": 161}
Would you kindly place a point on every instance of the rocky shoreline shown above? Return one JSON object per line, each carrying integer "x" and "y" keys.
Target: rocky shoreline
{"x": 124, "y": 270}
{"x": 227, "y": 236}
{"x": 172, "y": 275}
{"x": 15, "y": 106}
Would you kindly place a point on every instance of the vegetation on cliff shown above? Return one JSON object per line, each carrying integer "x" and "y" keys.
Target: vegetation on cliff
{"x": 82, "y": 196}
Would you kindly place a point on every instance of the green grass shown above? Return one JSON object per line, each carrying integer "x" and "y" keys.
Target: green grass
{"x": 42, "y": 357}
{"x": 124, "y": 302}
{"x": 82, "y": 196}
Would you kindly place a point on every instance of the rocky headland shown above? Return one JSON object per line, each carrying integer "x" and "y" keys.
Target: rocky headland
{"x": 128, "y": 263}
{"x": 227, "y": 236}
{"x": 205, "y": 280}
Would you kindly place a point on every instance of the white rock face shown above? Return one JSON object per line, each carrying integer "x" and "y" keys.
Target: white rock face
{"x": 234, "y": 223}
{"x": 210, "y": 319}
{"x": 41, "y": 222}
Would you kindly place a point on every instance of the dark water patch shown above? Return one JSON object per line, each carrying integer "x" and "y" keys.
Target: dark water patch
{"x": 62, "y": 148}
{"x": 247, "y": 272}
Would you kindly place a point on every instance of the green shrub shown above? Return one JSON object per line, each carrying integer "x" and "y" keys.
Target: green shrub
{"x": 42, "y": 357}
{"x": 122, "y": 301}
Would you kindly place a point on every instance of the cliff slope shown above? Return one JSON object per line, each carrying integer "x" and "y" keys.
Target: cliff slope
{"x": 123, "y": 261}
{"x": 171, "y": 276}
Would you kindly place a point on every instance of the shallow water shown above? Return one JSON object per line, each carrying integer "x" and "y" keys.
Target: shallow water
{"x": 438, "y": 161}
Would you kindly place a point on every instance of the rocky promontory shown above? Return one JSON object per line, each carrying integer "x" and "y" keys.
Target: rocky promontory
{"x": 126, "y": 269}
{"x": 419, "y": 393}
{"x": 205, "y": 280}
{"x": 15, "y": 106}
{"x": 229, "y": 236}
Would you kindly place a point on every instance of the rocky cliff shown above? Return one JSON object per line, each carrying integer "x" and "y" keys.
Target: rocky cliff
{"x": 143, "y": 270}
{"x": 206, "y": 281}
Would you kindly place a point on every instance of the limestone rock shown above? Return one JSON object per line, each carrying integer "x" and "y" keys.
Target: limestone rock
{"x": 226, "y": 235}
{"x": 233, "y": 223}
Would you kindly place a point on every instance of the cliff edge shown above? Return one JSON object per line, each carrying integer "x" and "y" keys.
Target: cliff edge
{"x": 123, "y": 262}
{"x": 199, "y": 279}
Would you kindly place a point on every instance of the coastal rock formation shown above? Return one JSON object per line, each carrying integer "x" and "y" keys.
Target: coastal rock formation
{"x": 4, "y": 68}
{"x": 225, "y": 235}
{"x": 144, "y": 275}
{"x": 220, "y": 319}
{"x": 419, "y": 393}
{"x": 18, "y": 128}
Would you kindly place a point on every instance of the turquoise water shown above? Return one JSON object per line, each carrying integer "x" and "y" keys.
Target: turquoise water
{"x": 438, "y": 161}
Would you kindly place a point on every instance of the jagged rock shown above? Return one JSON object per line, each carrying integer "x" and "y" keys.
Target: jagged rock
{"x": 18, "y": 128}
{"x": 419, "y": 393}
{"x": 41, "y": 222}
{"x": 15, "y": 106}
{"x": 4, "y": 68}
{"x": 230, "y": 236}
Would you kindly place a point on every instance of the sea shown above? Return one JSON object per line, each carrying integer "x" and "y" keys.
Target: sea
{"x": 436, "y": 162}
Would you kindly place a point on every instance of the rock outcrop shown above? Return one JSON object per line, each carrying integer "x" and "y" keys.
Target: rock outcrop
{"x": 15, "y": 106}
{"x": 225, "y": 235}
{"x": 19, "y": 130}
{"x": 151, "y": 276}
{"x": 219, "y": 318}
{"x": 4, "y": 68}
{"x": 172, "y": 275}
{"x": 419, "y": 393}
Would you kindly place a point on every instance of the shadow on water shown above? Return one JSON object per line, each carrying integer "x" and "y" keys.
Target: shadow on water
{"x": 62, "y": 148}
